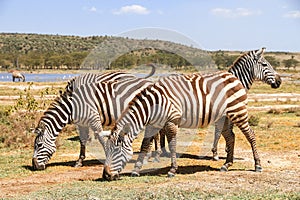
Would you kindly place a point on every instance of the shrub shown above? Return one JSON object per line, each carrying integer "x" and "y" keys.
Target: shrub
{"x": 253, "y": 120}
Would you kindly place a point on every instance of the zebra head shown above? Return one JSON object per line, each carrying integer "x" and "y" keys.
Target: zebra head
{"x": 44, "y": 147}
{"x": 118, "y": 151}
{"x": 264, "y": 70}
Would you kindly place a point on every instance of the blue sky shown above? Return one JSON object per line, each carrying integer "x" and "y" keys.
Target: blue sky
{"x": 212, "y": 24}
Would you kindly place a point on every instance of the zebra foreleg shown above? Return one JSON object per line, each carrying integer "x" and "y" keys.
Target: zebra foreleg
{"x": 243, "y": 125}
{"x": 83, "y": 135}
{"x": 214, "y": 150}
{"x": 171, "y": 131}
{"x": 158, "y": 150}
{"x": 230, "y": 140}
{"x": 145, "y": 147}
{"x": 222, "y": 127}
{"x": 251, "y": 139}
{"x": 162, "y": 133}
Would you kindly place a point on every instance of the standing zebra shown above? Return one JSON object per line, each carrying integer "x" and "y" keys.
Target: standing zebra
{"x": 247, "y": 68}
{"x": 187, "y": 101}
{"x": 88, "y": 101}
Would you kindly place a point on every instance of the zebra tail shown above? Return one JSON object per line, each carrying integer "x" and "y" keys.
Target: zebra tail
{"x": 152, "y": 70}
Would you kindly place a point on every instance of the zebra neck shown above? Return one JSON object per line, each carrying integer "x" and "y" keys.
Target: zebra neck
{"x": 243, "y": 73}
{"x": 53, "y": 127}
{"x": 131, "y": 124}
{"x": 57, "y": 117}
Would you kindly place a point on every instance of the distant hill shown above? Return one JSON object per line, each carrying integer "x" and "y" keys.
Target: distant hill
{"x": 38, "y": 51}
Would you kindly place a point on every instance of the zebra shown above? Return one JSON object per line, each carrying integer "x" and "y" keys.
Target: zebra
{"x": 17, "y": 75}
{"x": 249, "y": 67}
{"x": 186, "y": 101}
{"x": 82, "y": 103}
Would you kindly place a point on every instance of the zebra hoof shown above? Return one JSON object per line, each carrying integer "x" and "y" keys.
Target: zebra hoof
{"x": 171, "y": 174}
{"x": 215, "y": 158}
{"x": 224, "y": 169}
{"x": 156, "y": 160}
{"x": 135, "y": 174}
{"x": 145, "y": 161}
{"x": 78, "y": 164}
{"x": 258, "y": 168}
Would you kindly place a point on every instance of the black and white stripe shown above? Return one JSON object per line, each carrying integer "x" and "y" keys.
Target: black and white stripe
{"x": 249, "y": 67}
{"x": 187, "y": 101}
{"x": 89, "y": 101}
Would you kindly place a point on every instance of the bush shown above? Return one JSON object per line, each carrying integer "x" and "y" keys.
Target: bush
{"x": 16, "y": 129}
{"x": 253, "y": 120}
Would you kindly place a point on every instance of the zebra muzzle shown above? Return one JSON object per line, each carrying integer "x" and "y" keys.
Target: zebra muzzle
{"x": 36, "y": 166}
{"x": 277, "y": 82}
{"x": 108, "y": 176}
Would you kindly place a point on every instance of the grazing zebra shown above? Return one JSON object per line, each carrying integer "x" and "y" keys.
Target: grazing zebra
{"x": 88, "y": 101}
{"x": 248, "y": 67}
{"x": 187, "y": 101}
{"x": 17, "y": 75}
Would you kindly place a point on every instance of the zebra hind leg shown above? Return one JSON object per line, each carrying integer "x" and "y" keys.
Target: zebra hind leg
{"x": 157, "y": 148}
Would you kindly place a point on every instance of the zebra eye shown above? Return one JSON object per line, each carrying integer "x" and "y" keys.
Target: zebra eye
{"x": 264, "y": 64}
{"x": 39, "y": 145}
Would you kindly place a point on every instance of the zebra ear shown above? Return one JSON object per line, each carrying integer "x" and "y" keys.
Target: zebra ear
{"x": 259, "y": 53}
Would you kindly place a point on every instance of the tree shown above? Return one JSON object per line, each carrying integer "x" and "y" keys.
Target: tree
{"x": 223, "y": 60}
{"x": 292, "y": 62}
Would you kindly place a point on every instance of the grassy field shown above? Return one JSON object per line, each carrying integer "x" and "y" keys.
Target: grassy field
{"x": 277, "y": 132}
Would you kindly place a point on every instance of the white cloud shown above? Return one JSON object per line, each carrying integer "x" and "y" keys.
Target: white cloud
{"x": 135, "y": 9}
{"x": 93, "y": 9}
{"x": 231, "y": 13}
{"x": 293, "y": 14}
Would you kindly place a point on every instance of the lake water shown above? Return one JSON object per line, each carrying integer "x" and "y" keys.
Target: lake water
{"x": 31, "y": 77}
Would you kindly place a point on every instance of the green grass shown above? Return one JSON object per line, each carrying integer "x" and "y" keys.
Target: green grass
{"x": 123, "y": 190}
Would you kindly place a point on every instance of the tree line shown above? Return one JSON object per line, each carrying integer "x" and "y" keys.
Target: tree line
{"x": 34, "y": 51}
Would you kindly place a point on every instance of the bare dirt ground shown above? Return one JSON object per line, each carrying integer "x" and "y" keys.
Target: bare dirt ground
{"x": 281, "y": 172}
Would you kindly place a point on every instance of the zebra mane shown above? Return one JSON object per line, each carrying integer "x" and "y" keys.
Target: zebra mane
{"x": 59, "y": 99}
{"x": 246, "y": 54}
{"x": 70, "y": 86}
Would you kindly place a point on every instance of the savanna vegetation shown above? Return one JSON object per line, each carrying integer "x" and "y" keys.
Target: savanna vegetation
{"x": 277, "y": 130}
{"x": 36, "y": 51}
